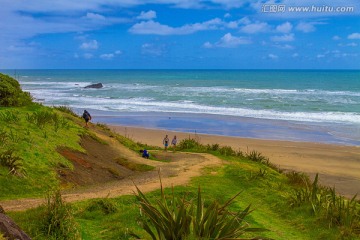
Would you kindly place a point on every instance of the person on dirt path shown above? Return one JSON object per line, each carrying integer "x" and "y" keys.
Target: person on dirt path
{"x": 166, "y": 142}
{"x": 174, "y": 142}
{"x": 145, "y": 154}
{"x": 87, "y": 117}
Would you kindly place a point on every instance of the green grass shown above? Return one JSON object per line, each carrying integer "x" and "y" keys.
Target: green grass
{"x": 36, "y": 143}
{"x": 268, "y": 196}
{"x": 134, "y": 166}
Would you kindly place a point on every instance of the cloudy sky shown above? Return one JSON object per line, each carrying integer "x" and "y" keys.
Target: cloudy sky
{"x": 180, "y": 34}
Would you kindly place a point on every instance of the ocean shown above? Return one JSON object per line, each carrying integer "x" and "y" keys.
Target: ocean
{"x": 296, "y": 105}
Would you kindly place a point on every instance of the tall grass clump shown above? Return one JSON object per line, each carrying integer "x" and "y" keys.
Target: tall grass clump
{"x": 58, "y": 221}
{"x": 10, "y": 116}
{"x": 297, "y": 178}
{"x": 3, "y": 136}
{"x": 66, "y": 109}
{"x": 13, "y": 162}
{"x": 104, "y": 205}
{"x": 326, "y": 204}
{"x": 175, "y": 218}
{"x": 46, "y": 117}
{"x": 191, "y": 144}
{"x": 11, "y": 94}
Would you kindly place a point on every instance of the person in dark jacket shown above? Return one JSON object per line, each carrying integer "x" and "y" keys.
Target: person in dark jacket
{"x": 87, "y": 117}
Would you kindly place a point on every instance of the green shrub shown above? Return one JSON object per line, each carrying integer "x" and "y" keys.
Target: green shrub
{"x": 11, "y": 93}
{"x": 175, "y": 218}
{"x": 10, "y": 116}
{"x": 325, "y": 204}
{"x": 190, "y": 143}
{"x": 58, "y": 221}
{"x": 297, "y": 179}
{"x": 104, "y": 205}
{"x": 12, "y": 162}
{"x": 257, "y": 157}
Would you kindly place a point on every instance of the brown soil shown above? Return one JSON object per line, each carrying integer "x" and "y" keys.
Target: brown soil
{"x": 96, "y": 174}
{"x": 96, "y": 166}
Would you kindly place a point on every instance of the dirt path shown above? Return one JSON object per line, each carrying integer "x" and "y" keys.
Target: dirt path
{"x": 178, "y": 170}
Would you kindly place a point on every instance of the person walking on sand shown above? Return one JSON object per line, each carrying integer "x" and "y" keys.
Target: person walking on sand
{"x": 174, "y": 142}
{"x": 166, "y": 142}
{"x": 87, "y": 117}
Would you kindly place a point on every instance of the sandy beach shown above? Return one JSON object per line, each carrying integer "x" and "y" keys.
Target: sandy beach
{"x": 337, "y": 165}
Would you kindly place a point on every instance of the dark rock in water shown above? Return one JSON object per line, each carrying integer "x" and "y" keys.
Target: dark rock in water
{"x": 10, "y": 230}
{"x": 96, "y": 85}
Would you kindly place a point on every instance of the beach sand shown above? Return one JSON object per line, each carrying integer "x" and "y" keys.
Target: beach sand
{"x": 337, "y": 165}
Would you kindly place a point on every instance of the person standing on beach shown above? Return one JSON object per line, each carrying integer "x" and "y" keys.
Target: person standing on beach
{"x": 87, "y": 117}
{"x": 174, "y": 142}
{"x": 166, "y": 142}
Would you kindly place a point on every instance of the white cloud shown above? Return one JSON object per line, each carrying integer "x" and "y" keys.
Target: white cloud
{"x": 336, "y": 38}
{"x": 320, "y": 56}
{"x": 284, "y": 38}
{"x": 107, "y": 56}
{"x": 227, "y": 15}
{"x": 273, "y": 56}
{"x": 94, "y": 16}
{"x": 352, "y": 44}
{"x": 255, "y": 28}
{"x": 152, "y": 27}
{"x": 228, "y": 41}
{"x": 147, "y": 15}
{"x": 307, "y": 27}
{"x": 153, "y": 49}
{"x": 284, "y": 28}
{"x": 92, "y": 44}
{"x": 354, "y": 36}
{"x": 295, "y": 55}
{"x": 207, "y": 45}
{"x": 286, "y": 46}
{"x": 235, "y": 24}
{"x": 88, "y": 55}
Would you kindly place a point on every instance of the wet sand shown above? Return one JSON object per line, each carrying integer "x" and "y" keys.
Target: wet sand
{"x": 337, "y": 165}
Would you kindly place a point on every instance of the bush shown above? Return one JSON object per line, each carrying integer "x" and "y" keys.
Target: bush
{"x": 11, "y": 93}
{"x": 104, "y": 205}
{"x": 58, "y": 220}
{"x": 175, "y": 218}
{"x": 12, "y": 162}
{"x": 190, "y": 143}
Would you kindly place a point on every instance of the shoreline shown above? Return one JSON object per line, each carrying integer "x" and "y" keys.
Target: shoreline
{"x": 337, "y": 165}
{"x": 235, "y": 126}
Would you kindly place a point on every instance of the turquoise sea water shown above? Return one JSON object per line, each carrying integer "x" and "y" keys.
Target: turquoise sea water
{"x": 327, "y": 102}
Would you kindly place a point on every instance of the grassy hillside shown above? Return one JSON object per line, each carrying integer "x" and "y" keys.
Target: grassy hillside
{"x": 31, "y": 135}
{"x": 289, "y": 205}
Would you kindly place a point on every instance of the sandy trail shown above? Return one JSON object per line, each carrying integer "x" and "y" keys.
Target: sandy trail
{"x": 178, "y": 171}
{"x": 337, "y": 165}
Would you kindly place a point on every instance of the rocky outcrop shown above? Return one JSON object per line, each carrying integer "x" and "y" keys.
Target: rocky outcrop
{"x": 9, "y": 228}
{"x": 96, "y": 85}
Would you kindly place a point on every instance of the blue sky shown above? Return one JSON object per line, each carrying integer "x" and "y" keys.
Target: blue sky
{"x": 179, "y": 34}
